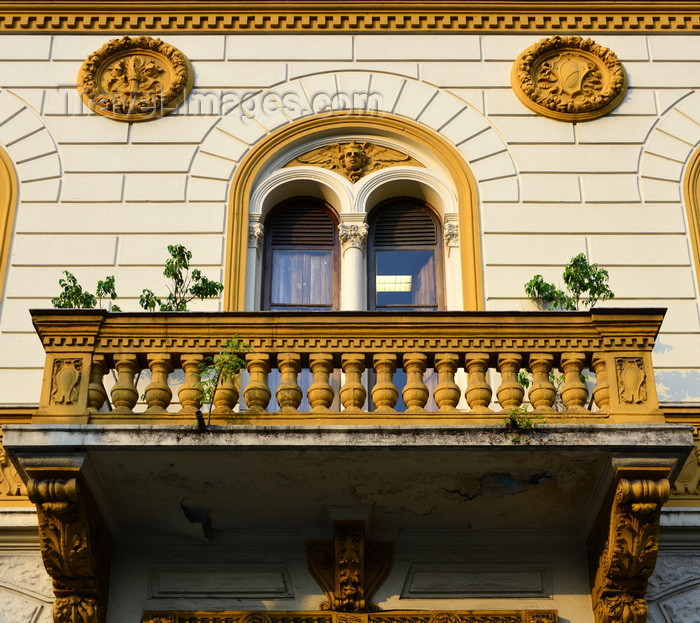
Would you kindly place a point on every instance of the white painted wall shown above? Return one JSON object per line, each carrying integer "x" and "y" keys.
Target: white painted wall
{"x": 101, "y": 197}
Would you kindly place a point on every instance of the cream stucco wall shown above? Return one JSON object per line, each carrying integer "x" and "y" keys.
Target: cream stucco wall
{"x": 100, "y": 197}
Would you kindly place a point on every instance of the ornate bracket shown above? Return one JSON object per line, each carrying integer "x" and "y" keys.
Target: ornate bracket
{"x": 75, "y": 551}
{"x": 347, "y": 569}
{"x": 629, "y": 554}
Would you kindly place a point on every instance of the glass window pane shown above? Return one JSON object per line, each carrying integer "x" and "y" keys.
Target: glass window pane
{"x": 405, "y": 278}
{"x": 301, "y": 278}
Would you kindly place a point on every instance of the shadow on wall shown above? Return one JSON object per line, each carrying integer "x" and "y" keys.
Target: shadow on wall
{"x": 678, "y": 386}
{"x": 23, "y": 606}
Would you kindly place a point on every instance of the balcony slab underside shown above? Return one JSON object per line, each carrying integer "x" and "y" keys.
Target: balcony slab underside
{"x": 247, "y": 478}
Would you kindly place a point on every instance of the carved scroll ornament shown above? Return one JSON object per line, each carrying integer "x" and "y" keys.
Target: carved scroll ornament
{"x": 349, "y": 570}
{"x": 629, "y": 555}
{"x": 353, "y": 160}
{"x": 135, "y": 79}
{"x": 569, "y": 79}
{"x": 74, "y": 550}
{"x": 353, "y": 235}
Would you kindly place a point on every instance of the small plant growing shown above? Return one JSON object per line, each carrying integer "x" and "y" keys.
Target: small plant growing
{"x": 520, "y": 420}
{"x": 216, "y": 370}
{"x": 73, "y": 295}
{"x": 185, "y": 286}
{"x": 586, "y": 284}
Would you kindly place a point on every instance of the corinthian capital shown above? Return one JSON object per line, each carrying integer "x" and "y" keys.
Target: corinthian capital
{"x": 353, "y": 235}
{"x": 256, "y": 235}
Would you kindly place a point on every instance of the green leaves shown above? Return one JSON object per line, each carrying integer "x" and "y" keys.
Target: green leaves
{"x": 218, "y": 369}
{"x": 73, "y": 295}
{"x": 184, "y": 287}
{"x": 580, "y": 278}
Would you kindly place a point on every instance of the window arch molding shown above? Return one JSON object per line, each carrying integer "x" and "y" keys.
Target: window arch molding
{"x": 247, "y": 178}
{"x": 8, "y": 205}
{"x": 691, "y": 192}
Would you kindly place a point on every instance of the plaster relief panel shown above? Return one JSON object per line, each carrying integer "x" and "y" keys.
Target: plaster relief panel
{"x": 355, "y": 159}
{"x": 569, "y": 79}
{"x": 135, "y": 79}
{"x": 65, "y": 385}
{"x": 432, "y": 581}
{"x": 631, "y": 380}
{"x": 220, "y": 581}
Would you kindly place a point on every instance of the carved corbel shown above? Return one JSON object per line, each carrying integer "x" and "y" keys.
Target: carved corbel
{"x": 75, "y": 550}
{"x": 629, "y": 554}
{"x": 348, "y": 569}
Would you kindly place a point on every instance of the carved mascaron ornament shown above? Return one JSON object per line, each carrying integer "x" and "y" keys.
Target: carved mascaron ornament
{"x": 353, "y": 159}
{"x": 135, "y": 79}
{"x": 569, "y": 79}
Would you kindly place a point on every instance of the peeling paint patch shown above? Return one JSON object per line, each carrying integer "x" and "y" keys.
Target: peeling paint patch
{"x": 501, "y": 484}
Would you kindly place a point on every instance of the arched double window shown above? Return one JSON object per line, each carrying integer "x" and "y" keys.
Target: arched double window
{"x": 301, "y": 266}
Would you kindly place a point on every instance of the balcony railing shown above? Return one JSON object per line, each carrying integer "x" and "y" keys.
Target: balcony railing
{"x": 361, "y": 367}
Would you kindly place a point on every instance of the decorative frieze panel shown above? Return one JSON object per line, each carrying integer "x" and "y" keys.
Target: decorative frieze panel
{"x": 135, "y": 79}
{"x": 643, "y": 16}
{"x": 569, "y": 79}
{"x": 354, "y": 160}
{"x": 409, "y": 616}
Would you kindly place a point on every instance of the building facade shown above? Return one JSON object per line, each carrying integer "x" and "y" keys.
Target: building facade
{"x": 413, "y": 439}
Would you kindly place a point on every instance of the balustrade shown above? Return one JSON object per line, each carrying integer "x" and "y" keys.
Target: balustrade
{"x": 457, "y": 367}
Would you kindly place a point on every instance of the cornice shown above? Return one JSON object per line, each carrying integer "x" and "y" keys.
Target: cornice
{"x": 168, "y": 16}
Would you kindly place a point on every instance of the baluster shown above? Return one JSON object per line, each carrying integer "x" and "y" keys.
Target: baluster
{"x": 601, "y": 391}
{"x": 190, "y": 393}
{"x": 511, "y": 392}
{"x": 257, "y": 393}
{"x": 320, "y": 392}
{"x": 158, "y": 394}
{"x": 574, "y": 392}
{"x": 478, "y": 392}
{"x": 542, "y": 392}
{"x": 124, "y": 393}
{"x": 415, "y": 393}
{"x": 96, "y": 389}
{"x": 353, "y": 394}
{"x": 446, "y": 393}
{"x": 384, "y": 393}
{"x": 226, "y": 395}
{"x": 289, "y": 393}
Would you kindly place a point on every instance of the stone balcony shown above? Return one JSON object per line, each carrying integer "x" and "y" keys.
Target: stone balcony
{"x": 350, "y": 367}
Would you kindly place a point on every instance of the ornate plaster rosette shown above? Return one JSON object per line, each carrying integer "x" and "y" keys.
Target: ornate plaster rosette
{"x": 569, "y": 79}
{"x": 135, "y": 79}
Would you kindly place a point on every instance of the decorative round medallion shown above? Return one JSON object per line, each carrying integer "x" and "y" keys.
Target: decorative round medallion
{"x": 135, "y": 79}
{"x": 569, "y": 79}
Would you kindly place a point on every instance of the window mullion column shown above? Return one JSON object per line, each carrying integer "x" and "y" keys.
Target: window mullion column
{"x": 353, "y": 264}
